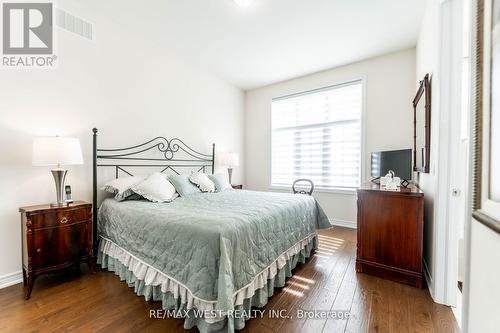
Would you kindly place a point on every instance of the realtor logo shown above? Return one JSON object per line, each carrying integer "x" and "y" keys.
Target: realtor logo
{"x": 27, "y": 30}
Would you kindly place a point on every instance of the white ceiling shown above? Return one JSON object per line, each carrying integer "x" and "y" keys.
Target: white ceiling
{"x": 275, "y": 40}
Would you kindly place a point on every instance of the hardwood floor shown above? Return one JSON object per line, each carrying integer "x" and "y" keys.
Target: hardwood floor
{"x": 102, "y": 303}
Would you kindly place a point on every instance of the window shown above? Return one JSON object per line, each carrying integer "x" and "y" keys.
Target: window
{"x": 317, "y": 135}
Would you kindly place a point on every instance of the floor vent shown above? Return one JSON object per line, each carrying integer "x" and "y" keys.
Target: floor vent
{"x": 74, "y": 24}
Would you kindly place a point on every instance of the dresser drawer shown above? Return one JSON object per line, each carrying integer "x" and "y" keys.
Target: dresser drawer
{"x": 59, "y": 246}
{"x": 60, "y": 217}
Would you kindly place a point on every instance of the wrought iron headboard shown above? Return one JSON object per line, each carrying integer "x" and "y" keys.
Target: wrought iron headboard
{"x": 129, "y": 157}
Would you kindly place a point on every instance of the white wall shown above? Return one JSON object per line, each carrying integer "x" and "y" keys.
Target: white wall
{"x": 390, "y": 88}
{"x": 127, "y": 83}
{"x": 484, "y": 292}
{"x": 428, "y": 62}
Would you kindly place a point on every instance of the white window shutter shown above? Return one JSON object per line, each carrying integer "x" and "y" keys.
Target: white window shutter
{"x": 317, "y": 135}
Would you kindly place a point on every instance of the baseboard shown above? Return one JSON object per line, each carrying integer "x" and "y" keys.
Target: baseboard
{"x": 8, "y": 280}
{"x": 428, "y": 279}
{"x": 344, "y": 223}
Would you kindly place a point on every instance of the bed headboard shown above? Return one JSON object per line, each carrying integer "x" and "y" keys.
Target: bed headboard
{"x": 171, "y": 155}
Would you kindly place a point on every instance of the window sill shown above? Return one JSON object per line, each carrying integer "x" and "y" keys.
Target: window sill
{"x": 336, "y": 190}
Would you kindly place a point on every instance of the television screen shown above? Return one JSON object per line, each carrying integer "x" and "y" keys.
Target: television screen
{"x": 398, "y": 161}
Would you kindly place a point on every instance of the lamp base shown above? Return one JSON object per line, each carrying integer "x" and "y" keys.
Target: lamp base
{"x": 230, "y": 174}
{"x": 59, "y": 178}
{"x": 55, "y": 204}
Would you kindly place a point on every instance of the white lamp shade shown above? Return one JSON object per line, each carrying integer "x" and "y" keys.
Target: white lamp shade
{"x": 230, "y": 159}
{"x": 243, "y": 3}
{"x": 56, "y": 151}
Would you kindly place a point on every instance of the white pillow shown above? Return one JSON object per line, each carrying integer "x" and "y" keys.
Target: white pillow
{"x": 156, "y": 188}
{"x": 202, "y": 181}
{"x": 120, "y": 187}
{"x": 221, "y": 182}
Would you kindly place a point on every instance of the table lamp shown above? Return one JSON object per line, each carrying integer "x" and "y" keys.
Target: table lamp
{"x": 57, "y": 151}
{"x": 230, "y": 160}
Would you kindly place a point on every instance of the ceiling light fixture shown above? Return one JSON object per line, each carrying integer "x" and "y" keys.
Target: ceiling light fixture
{"x": 243, "y": 3}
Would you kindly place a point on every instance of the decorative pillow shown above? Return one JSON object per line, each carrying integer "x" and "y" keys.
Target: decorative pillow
{"x": 221, "y": 182}
{"x": 120, "y": 187}
{"x": 133, "y": 196}
{"x": 183, "y": 186}
{"x": 156, "y": 188}
{"x": 202, "y": 181}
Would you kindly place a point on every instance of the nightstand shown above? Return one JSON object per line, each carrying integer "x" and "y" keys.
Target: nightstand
{"x": 237, "y": 187}
{"x": 54, "y": 238}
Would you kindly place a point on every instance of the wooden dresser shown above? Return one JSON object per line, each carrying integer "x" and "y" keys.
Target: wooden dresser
{"x": 54, "y": 238}
{"x": 390, "y": 233}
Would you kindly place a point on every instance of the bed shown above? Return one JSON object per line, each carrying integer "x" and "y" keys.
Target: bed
{"x": 208, "y": 254}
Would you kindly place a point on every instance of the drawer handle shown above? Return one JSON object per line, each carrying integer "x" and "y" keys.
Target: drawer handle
{"x": 38, "y": 250}
{"x": 64, "y": 220}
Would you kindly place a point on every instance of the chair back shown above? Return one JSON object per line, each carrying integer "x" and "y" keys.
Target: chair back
{"x": 303, "y": 180}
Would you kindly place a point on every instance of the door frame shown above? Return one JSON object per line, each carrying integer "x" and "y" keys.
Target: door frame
{"x": 444, "y": 289}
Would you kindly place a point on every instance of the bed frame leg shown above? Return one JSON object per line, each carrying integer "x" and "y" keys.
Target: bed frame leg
{"x": 94, "y": 195}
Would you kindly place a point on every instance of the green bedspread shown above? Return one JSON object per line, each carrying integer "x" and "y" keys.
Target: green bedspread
{"x": 212, "y": 243}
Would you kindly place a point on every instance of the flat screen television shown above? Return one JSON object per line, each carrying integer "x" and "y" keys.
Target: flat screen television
{"x": 398, "y": 161}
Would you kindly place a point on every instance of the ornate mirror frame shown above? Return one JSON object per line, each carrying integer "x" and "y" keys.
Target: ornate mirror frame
{"x": 425, "y": 91}
{"x": 486, "y": 110}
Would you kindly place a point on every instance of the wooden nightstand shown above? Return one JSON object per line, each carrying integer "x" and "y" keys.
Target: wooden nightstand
{"x": 54, "y": 238}
{"x": 237, "y": 187}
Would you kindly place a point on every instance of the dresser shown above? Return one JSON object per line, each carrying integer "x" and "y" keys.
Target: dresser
{"x": 54, "y": 238}
{"x": 390, "y": 233}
